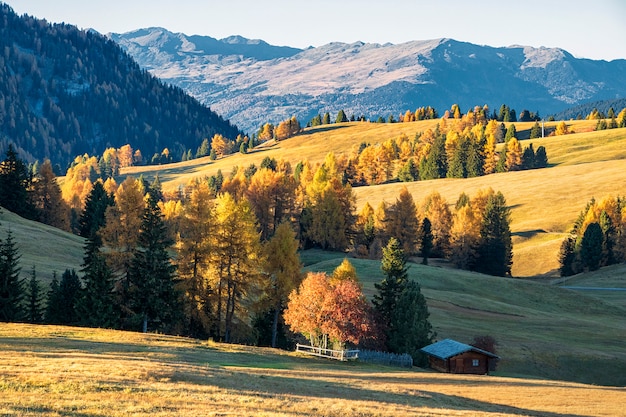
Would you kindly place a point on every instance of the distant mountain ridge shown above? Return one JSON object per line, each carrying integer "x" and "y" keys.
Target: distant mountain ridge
{"x": 252, "y": 82}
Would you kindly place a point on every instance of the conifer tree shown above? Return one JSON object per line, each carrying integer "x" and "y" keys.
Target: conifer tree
{"x": 495, "y": 254}
{"x": 34, "y": 297}
{"x": 153, "y": 297}
{"x": 326, "y": 119}
{"x": 193, "y": 250}
{"x": 15, "y": 181}
{"x": 96, "y": 306}
{"x": 11, "y": 285}
{"x": 53, "y": 305}
{"x": 93, "y": 216}
{"x": 541, "y": 158}
{"x": 591, "y": 247}
{"x": 234, "y": 262}
{"x": 410, "y": 328}
{"x": 408, "y": 172}
{"x": 528, "y": 157}
{"x": 535, "y": 131}
{"x": 426, "y": 241}
{"x": 475, "y": 160}
{"x": 393, "y": 265}
{"x": 341, "y": 117}
{"x": 63, "y": 299}
{"x": 567, "y": 257}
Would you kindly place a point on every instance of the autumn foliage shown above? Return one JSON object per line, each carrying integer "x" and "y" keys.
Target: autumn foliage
{"x": 326, "y": 310}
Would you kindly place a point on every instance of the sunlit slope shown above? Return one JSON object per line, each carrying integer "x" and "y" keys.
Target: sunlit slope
{"x": 544, "y": 203}
{"x": 47, "y": 248}
{"x": 53, "y": 370}
{"x": 541, "y": 329}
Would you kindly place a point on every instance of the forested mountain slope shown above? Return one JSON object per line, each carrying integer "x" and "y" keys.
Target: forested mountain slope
{"x": 65, "y": 91}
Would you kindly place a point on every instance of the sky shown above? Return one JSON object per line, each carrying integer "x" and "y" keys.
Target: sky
{"x": 594, "y": 29}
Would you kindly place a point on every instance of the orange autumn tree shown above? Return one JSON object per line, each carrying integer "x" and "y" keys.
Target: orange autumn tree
{"x": 323, "y": 310}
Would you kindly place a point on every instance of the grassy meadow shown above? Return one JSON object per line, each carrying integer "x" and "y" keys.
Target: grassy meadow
{"x": 544, "y": 203}
{"x": 542, "y": 330}
{"x": 47, "y": 248}
{"x": 65, "y": 371}
{"x": 546, "y": 334}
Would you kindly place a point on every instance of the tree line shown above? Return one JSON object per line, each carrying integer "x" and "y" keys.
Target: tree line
{"x": 221, "y": 259}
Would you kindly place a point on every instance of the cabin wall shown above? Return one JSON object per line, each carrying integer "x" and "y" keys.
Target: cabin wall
{"x": 469, "y": 363}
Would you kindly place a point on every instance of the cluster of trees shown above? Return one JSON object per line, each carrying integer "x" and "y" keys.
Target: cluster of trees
{"x": 597, "y": 239}
{"x": 476, "y": 236}
{"x": 433, "y": 154}
{"x": 65, "y": 92}
{"x": 614, "y": 121}
{"x": 332, "y": 310}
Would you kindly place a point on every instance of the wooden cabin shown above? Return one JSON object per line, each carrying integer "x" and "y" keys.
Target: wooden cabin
{"x": 458, "y": 358}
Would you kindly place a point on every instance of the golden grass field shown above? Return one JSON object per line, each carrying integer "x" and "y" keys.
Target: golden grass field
{"x": 544, "y": 203}
{"x": 65, "y": 371}
{"x": 546, "y": 334}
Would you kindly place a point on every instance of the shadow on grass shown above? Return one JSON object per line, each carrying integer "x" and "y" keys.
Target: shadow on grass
{"x": 528, "y": 233}
{"x": 321, "y": 385}
{"x": 322, "y": 129}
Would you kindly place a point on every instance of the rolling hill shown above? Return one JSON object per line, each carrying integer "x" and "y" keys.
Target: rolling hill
{"x": 544, "y": 203}
{"x": 543, "y": 330}
{"x": 252, "y": 83}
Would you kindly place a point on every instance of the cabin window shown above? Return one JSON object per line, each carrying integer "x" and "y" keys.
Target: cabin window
{"x": 475, "y": 362}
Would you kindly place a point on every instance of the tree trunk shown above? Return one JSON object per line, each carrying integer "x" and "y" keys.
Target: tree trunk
{"x": 144, "y": 327}
{"x": 275, "y": 326}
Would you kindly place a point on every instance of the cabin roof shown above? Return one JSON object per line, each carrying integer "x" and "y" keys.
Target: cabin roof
{"x": 448, "y": 348}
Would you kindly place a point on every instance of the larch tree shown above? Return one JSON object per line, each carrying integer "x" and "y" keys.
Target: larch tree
{"x": 193, "y": 260}
{"x": 119, "y": 234}
{"x": 282, "y": 267}
{"x": 402, "y": 223}
{"x": 234, "y": 262}
{"x": 464, "y": 237}
{"x": 513, "y": 155}
{"x": 152, "y": 292}
{"x": 49, "y": 204}
{"x": 435, "y": 207}
{"x": 272, "y": 197}
{"x": 561, "y": 129}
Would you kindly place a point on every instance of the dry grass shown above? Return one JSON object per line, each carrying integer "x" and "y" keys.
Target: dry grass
{"x": 541, "y": 329}
{"x": 47, "y": 248}
{"x": 544, "y": 202}
{"x": 60, "y": 371}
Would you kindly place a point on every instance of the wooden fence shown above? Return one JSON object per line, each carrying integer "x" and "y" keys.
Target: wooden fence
{"x": 341, "y": 355}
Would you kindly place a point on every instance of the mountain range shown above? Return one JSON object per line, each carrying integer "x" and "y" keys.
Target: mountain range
{"x": 251, "y": 82}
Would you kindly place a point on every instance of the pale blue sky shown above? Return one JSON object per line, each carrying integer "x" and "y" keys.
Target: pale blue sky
{"x": 593, "y": 29}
